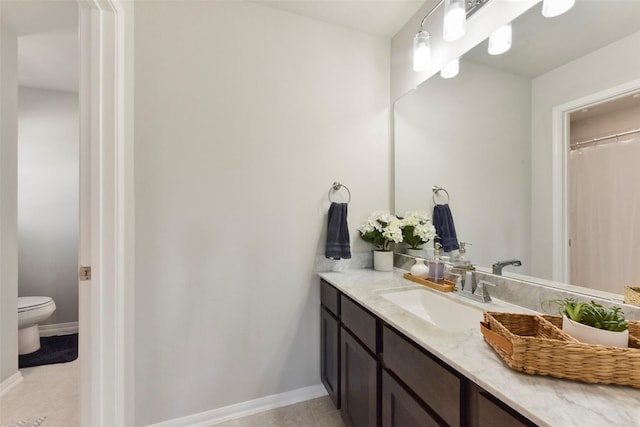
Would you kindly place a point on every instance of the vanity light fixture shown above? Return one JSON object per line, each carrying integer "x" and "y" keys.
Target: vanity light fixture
{"x": 421, "y": 51}
{"x": 451, "y": 69}
{"x": 455, "y": 20}
{"x": 500, "y": 40}
{"x": 456, "y": 13}
{"x": 421, "y": 45}
{"x": 551, "y": 8}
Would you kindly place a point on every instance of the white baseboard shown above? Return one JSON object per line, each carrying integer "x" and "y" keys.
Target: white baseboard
{"x": 10, "y": 382}
{"x": 243, "y": 409}
{"x": 58, "y": 329}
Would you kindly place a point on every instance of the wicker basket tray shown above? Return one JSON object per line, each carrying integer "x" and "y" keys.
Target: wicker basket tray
{"x": 536, "y": 344}
{"x": 632, "y": 295}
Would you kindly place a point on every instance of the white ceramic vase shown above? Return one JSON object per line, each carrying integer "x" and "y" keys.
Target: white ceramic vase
{"x": 419, "y": 269}
{"x": 591, "y": 335}
{"x": 383, "y": 260}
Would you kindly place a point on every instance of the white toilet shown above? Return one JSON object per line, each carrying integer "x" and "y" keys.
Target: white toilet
{"x": 31, "y": 311}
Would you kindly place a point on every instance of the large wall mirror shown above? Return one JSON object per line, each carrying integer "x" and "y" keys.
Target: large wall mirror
{"x": 491, "y": 135}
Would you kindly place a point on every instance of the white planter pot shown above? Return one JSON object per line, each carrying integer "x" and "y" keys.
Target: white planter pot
{"x": 383, "y": 260}
{"x": 591, "y": 335}
{"x": 418, "y": 253}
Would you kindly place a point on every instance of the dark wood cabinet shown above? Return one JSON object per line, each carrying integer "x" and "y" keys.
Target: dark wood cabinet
{"x": 360, "y": 323}
{"x": 378, "y": 377}
{"x": 493, "y": 413}
{"x": 400, "y": 408}
{"x": 330, "y": 298}
{"x": 358, "y": 383}
{"x": 436, "y": 385}
{"x": 330, "y": 341}
{"x": 330, "y": 354}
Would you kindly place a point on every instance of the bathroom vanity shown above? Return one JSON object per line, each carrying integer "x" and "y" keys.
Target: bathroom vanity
{"x": 384, "y": 366}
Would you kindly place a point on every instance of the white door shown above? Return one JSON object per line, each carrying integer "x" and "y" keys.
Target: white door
{"x": 84, "y": 242}
{"x": 105, "y": 339}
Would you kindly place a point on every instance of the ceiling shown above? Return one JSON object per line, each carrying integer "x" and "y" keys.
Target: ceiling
{"x": 543, "y": 44}
{"x": 48, "y": 45}
{"x": 47, "y": 42}
{"x": 379, "y": 17}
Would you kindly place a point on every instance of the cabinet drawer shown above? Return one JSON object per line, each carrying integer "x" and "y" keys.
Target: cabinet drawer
{"x": 360, "y": 322}
{"x": 439, "y": 388}
{"x": 494, "y": 414}
{"x": 330, "y": 298}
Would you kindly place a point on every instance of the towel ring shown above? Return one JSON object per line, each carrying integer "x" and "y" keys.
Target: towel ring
{"x": 337, "y": 186}
{"x": 437, "y": 189}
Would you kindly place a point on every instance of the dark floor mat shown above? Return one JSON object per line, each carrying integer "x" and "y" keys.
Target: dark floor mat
{"x": 58, "y": 349}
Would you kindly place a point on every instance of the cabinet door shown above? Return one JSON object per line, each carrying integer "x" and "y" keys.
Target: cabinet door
{"x": 400, "y": 409}
{"x": 330, "y": 354}
{"x": 492, "y": 413}
{"x": 358, "y": 383}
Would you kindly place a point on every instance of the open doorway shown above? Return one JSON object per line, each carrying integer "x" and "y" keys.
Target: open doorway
{"x": 603, "y": 195}
{"x": 46, "y": 37}
{"x": 106, "y": 134}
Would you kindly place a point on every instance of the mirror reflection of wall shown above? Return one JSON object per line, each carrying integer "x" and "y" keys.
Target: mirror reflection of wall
{"x": 603, "y": 194}
{"x": 501, "y": 175}
{"x": 480, "y": 159}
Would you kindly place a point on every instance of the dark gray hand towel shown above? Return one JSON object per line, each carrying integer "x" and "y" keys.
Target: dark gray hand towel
{"x": 338, "y": 245}
{"x": 446, "y": 231}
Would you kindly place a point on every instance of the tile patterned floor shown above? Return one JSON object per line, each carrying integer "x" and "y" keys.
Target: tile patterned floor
{"x": 48, "y": 390}
{"x": 52, "y": 391}
{"x": 318, "y": 412}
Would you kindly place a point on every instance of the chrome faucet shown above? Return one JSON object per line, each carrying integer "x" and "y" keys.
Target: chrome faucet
{"x": 499, "y": 265}
{"x": 467, "y": 286}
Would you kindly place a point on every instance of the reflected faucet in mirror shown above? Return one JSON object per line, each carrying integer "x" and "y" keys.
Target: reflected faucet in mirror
{"x": 499, "y": 265}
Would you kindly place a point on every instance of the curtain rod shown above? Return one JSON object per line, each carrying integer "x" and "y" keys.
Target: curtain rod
{"x": 602, "y": 138}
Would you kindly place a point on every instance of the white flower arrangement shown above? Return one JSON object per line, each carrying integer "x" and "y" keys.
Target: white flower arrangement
{"x": 417, "y": 229}
{"x": 381, "y": 229}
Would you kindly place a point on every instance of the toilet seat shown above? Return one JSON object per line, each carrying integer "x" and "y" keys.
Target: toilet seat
{"x": 26, "y": 304}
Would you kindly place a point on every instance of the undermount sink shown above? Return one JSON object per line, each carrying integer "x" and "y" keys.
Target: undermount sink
{"x": 436, "y": 309}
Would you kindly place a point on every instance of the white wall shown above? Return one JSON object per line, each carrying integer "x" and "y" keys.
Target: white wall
{"x": 48, "y": 166}
{"x": 483, "y": 161}
{"x": 613, "y": 65}
{"x": 8, "y": 202}
{"x": 245, "y": 116}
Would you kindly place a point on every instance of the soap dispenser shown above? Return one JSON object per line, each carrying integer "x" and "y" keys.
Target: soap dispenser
{"x": 461, "y": 261}
{"x": 436, "y": 266}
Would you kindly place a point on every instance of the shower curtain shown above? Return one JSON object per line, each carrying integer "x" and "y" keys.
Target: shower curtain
{"x": 604, "y": 215}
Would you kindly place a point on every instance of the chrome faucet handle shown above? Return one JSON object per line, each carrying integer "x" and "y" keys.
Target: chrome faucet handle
{"x": 482, "y": 291}
{"x": 468, "y": 285}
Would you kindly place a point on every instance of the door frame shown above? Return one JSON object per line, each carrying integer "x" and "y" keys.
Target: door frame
{"x": 106, "y": 129}
{"x": 559, "y": 202}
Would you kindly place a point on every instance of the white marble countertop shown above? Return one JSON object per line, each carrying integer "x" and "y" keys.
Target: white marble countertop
{"x": 544, "y": 400}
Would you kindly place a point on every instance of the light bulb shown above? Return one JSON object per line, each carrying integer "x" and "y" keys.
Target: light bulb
{"x": 451, "y": 69}
{"x": 500, "y": 40}
{"x": 421, "y": 51}
{"x": 455, "y": 20}
{"x": 551, "y": 8}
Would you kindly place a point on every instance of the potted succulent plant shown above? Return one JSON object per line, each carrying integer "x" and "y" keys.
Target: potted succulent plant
{"x": 592, "y": 323}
